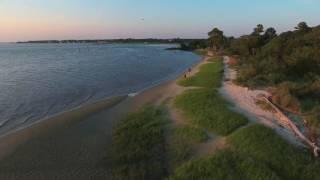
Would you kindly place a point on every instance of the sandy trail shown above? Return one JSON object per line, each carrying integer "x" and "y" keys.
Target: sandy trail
{"x": 244, "y": 101}
{"x": 211, "y": 147}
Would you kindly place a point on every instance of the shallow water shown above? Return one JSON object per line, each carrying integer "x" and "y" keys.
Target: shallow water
{"x": 40, "y": 80}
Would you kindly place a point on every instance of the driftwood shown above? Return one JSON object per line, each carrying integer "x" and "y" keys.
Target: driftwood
{"x": 287, "y": 122}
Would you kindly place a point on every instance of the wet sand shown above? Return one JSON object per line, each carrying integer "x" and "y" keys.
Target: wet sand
{"x": 69, "y": 146}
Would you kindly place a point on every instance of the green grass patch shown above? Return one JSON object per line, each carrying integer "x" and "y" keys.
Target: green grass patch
{"x": 139, "y": 145}
{"x": 209, "y": 76}
{"x": 224, "y": 165}
{"x": 206, "y": 108}
{"x": 192, "y": 134}
{"x": 256, "y": 152}
{"x": 181, "y": 143}
{"x": 269, "y": 148}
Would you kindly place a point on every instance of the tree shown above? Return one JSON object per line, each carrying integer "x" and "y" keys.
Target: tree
{"x": 216, "y": 39}
{"x": 269, "y": 34}
{"x": 258, "y": 30}
{"x": 303, "y": 26}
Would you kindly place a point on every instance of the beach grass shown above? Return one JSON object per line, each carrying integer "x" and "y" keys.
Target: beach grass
{"x": 191, "y": 133}
{"x": 209, "y": 76}
{"x": 139, "y": 145}
{"x": 224, "y": 165}
{"x": 182, "y": 140}
{"x": 267, "y": 147}
{"x": 206, "y": 108}
{"x": 254, "y": 152}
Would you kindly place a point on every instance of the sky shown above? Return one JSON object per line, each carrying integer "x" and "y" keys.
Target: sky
{"x": 22, "y": 20}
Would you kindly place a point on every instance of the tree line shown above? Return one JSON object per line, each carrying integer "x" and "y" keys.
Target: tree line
{"x": 288, "y": 62}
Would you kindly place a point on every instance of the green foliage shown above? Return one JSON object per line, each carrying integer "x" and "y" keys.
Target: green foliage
{"x": 302, "y": 26}
{"x": 191, "y": 133}
{"x": 258, "y": 30}
{"x": 224, "y": 165}
{"x": 206, "y": 108}
{"x": 138, "y": 145}
{"x": 262, "y": 144}
{"x": 290, "y": 62}
{"x": 181, "y": 143}
{"x": 284, "y": 97}
{"x": 209, "y": 76}
{"x": 314, "y": 118}
{"x": 194, "y": 45}
{"x": 256, "y": 152}
{"x": 216, "y": 39}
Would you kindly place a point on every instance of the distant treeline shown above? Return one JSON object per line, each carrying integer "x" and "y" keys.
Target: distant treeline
{"x": 106, "y": 41}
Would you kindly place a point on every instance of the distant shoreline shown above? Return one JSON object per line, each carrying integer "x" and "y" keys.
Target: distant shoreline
{"x": 109, "y": 41}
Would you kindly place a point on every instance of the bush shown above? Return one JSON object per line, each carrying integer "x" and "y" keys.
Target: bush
{"x": 284, "y": 98}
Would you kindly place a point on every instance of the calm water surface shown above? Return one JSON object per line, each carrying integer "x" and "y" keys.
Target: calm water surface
{"x": 40, "y": 80}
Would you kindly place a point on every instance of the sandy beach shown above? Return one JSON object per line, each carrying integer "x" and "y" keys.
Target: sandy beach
{"x": 75, "y": 144}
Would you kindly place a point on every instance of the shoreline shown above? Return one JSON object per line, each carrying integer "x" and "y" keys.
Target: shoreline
{"x": 79, "y": 113}
{"x": 175, "y": 75}
{"x": 59, "y": 138}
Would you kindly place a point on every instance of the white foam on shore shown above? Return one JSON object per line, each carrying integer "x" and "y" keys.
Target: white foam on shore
{"x": 133, "y": 94}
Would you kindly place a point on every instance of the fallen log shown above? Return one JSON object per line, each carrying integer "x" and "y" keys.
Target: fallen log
{"x": 285, "y": 120}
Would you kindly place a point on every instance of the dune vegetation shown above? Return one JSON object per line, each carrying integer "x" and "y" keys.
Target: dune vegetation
{"x": 209, "y": 76}
{"x": 139, "y": 145}
{"x": 255, "y": 152}
{"x": 206, "y": 108}
{"x": 147, "y": 148}
{"x": 288, "y": 62}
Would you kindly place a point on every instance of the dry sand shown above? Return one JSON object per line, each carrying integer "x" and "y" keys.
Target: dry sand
{"x": 244, "y": 101}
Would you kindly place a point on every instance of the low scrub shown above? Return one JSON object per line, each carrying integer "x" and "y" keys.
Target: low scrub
{"x": 182, "y": 140}
{"x": 207, "y": 109}
{"x": 190, "y": 133}
{"x": 264, "y": 145}
{"x": 139, "y": 145}
{"x": 255, "y": 152}
{"x": 224, "y": 165}
{"x": 209, "y": 76}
